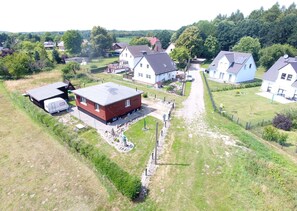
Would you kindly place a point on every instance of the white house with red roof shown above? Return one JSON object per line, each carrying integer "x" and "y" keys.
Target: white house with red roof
{"x": 233, "y": 67}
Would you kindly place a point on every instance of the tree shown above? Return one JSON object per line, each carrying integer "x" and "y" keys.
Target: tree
{"x": 211, "y": 46}
{"x": 176, "y": 34}
{"x": 225, "y": 35}
{"x": 72, "y": 41}
{"x": 100, "y": 41}
{"x": 71, "y": 66}
{"x": 164, "y": 37}
{"x": 56, "y": 57}
{"x": 47, "y": 36}
{"x": 140, "y": 41}
{"x": 236, "y": 16}
{"x": 18, "y": 64}
{"x": 206, "y": 28}
{"x": 192, "y": 40}
{"x": 248, "y": 45}
{"x": 181, "y": 55}
{"x": 269, "y": 55}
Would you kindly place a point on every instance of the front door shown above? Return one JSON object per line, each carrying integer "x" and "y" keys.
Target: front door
{"x": 222, "y": 75}
{"x": 230, "y": 77}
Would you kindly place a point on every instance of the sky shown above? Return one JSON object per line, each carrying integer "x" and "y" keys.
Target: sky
{"x": 62, "y": 15}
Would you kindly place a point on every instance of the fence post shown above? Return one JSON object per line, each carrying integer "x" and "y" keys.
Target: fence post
{"x": 246, "y": 125}
{"x": 262, "y": 123}
{"x": 237, "y": 120}
{"x": 232, "y": 117}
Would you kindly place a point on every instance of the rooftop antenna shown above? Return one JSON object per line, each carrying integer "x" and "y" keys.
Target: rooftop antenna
{"x": 286, "y": 56}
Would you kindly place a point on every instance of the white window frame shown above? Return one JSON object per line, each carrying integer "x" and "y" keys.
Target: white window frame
{"x": 97, "y": 107}
{"x": 127, "y": 103}
{"x": 148, "y": 76}
{"x": 83, "y": 100}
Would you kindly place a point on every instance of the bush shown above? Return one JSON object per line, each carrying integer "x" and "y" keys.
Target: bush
{"x": 294, "y": 123}
{"x": 145, "y": 95}
{"x": 282, "y": 121}
{"x": 282, "y": 139}
{"x": 270, "y": 133}
{"x": 93, "y": 66}
{"x": 169, "y": 88}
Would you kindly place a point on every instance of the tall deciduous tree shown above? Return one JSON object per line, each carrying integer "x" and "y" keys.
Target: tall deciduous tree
{"x": 248, "y": 45}
{"x": 192, "y": 40}
{"x": 18, "y": 64}
{"x": 181, "y": 55}
{"x": 72, "y": 41}
{"x": 140, "y": 41}
{"x": 269, "y": 55}
{"x": 164, "y": 37}
{"x": 211, "y": 46}
{"x": 101, "y": 41}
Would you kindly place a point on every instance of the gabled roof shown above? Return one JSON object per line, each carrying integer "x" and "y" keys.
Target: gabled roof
{"x": 236, "y": 59}
{"x": 107, "y": 93}
{"x": 138, "y": 50}
{"x": 47, "y": 91}
{"x": 153, "y": 40}
{"x": 120, "y": 44}
{"x": 272, "y": 72}
{"x": 160, "y": 63}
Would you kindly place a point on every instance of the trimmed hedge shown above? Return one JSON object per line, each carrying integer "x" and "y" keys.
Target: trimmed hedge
{"x": 127, "y": 184}
{"x": 241, "y": 86}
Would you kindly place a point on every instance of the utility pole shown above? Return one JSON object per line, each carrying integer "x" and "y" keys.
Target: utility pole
{"x": 156, "y": 147}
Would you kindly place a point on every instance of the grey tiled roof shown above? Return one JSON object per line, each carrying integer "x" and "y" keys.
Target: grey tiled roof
{"x": 237, "y": 60}
{"x": 107, "y": 93}
{"x": 137, "y": 50}
{"x": 272, "y": 72}
{"x": 160, "y": 63}
{"x": 47, "y": 91}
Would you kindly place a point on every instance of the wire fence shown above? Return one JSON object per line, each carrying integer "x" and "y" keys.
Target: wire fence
{"x": 241, "y": 122}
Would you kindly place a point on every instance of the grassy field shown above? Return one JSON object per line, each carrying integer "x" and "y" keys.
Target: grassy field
{"x": 248, "y": 106}
{"x": 210, "y": 174}
{"x": 260, "y": 72}
{"x": 124, "y": 39}
{"x": 101, "y": 62}
{"x": 38, "y": 173}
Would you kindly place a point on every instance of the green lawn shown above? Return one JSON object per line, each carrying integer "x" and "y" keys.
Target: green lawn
{"x": 260, "y": 72}
{"x": 124, "y": 39}
{"x": 101, "y": 62}
{"x": 248, "y": 106}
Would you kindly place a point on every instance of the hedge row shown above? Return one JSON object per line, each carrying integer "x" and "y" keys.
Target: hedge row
{"x": 127, "y": 184}
{"x": 241, "y": 86}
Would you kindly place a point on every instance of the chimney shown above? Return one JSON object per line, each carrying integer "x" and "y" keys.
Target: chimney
{"x": 295, "y": 58}
{"x": 144, "y": 53}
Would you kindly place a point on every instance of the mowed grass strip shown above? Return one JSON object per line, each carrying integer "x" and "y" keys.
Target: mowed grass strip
{"x": 246, "y": 105}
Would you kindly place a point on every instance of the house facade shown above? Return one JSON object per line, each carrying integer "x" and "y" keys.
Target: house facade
{"x": 233, "y": 67}
{"x": 170, "y": 48}
{"x": 107, "y": 102}
{"x": 119, "y": 46}
{"x": 131, "y": 55}
{"x": 155, "y": 68}
{"x": 156, "y": 44}
{"x": 281, "y": 78}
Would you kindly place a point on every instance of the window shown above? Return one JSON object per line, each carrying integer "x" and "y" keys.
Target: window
{"x": 140, "y": 74}
{"x": 140, "y": 64}
{"x": 126, "y": 55}
{"x": 97, "y": 107}
{"x": 245, "y": 66}
{"x": 283, "y": 76}
{"x": 127, "y": 103}
{"x": 83, "y": 100}
{"x": 269, "y": 89}
{"x": 148, "y": 76}
{"x": 250, "y": 66}
{"x": 147, "y": 66}
{"x": 289, "y": 78}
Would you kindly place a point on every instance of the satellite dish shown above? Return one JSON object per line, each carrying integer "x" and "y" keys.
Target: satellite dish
{"x": 286, "y": 56}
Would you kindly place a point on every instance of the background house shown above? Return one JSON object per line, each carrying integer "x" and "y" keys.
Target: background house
{"x": 132, "y": 54}
{"x": 107, "y": 102}
{"x": 170, "y": 48}
{"x": 154, "y": 68}
{"x": 119, "y": 46}
{"x": 281, "y": 78}
{"x": 156, "y": 44}
{"x": 40, "y": 94}
{"x": 80, "y": 60}
{"x": 49, "y": 45}
{"x": 233, "y": 67}
{"x": 61, "y": 46}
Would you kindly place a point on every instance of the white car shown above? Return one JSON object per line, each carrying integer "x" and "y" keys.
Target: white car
{"x": 189, "y": 78}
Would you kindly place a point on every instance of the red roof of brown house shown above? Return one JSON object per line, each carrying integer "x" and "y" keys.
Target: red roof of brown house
{"x": 152, "y": 40}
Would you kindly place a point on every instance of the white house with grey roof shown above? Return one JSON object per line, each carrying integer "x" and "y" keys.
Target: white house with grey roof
{"x": 281, "y": 78}
{"x": 155, "y": 68}
{"x": 233, "y": 67}
{"x": 130, "y": 56}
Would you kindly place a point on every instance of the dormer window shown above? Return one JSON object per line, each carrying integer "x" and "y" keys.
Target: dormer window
{"x": 140, "y": 64}
{"x": 250, "y": 66}
{"x": 147, "y": 66}
{"x": 283, "y": 76}
{"x": 289, "y": 78}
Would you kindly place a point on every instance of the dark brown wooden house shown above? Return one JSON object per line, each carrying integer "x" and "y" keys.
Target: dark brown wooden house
{"x": 107, "y": 102}
{"x": 58, "y": 89}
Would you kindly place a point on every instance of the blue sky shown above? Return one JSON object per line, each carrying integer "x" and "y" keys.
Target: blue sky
{"x": 59, "y": 15}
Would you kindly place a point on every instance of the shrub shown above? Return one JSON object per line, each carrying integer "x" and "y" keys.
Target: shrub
{"x": 282, "y": 139}
{"x": 93, "y": 66}
{"x": 294, "y": 123}
{"x": 169, "y": 88}
{"x": 145, "y": 95}
{"x": 270, "y": 133}
{"x": 282, "y": 121}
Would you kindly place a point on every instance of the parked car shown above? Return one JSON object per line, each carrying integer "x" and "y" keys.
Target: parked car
{"x": 189, "y": 78}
